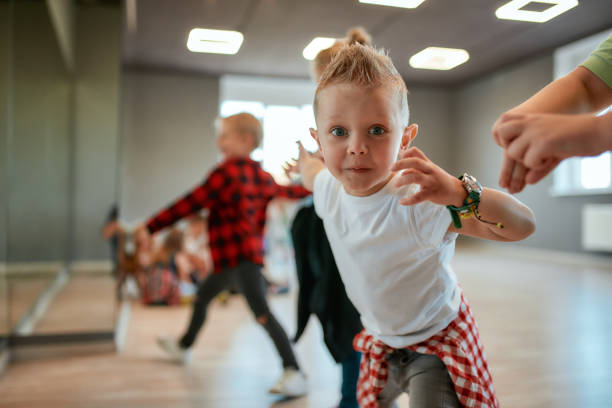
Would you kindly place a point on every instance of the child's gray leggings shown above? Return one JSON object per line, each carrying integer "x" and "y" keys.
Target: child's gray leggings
{"x": 423, "y": 376}
{"x": 248, "y": 280}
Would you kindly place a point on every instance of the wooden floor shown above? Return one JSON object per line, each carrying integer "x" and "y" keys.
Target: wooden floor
{"x": 546, "y": 328}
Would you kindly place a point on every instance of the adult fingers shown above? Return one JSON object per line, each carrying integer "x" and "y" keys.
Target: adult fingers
{"x": 517, "y": 183}
{"x": 508, "y": 131}
{"x": 535, "y": 175}
{"x": 507, "y": 168}
{"x": 536, "y": 157}
{"x": 517, "y": 148}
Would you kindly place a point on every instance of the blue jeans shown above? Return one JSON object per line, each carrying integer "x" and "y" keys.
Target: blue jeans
{"x": 350, "y": 374}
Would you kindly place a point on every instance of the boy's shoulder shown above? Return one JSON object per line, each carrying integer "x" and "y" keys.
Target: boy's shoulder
{"x": 242, "y": 169}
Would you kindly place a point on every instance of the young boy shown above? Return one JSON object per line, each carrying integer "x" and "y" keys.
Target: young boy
{"x": 393, "y": 242}
{"x": 236, "y": 194}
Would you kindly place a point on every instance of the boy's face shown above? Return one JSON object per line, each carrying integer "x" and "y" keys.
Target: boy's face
{"x": 232, "y": 142}
{"x": 359, "y": 133}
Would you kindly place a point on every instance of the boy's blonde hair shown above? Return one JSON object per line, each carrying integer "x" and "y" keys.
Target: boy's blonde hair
{"x": 245, "y": 122}
{"x": 364, "y": 66}
{"x": 324, "y": 57}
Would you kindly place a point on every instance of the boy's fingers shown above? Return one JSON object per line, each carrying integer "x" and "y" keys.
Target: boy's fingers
{"x": 413, "y": 152}
{"x": 412, "y": 163}
{"x": 415, "y": 199}
{"x": 410, "y": 177}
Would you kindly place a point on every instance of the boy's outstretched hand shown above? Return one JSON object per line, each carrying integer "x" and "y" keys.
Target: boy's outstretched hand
{"x": 309, "y": 165}
{"x": 436, "y": 184}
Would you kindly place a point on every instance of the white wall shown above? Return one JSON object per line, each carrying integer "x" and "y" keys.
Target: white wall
{"x": 168, "y": 142}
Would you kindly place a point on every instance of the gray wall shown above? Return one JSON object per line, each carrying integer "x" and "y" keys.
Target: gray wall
{"x": 39, "y": 143}
{"x": 431, "y": 109}
{"x": 168, "y": 142}
{"x": 5, "y": 63}
{"x": 168, "y": 137}
{"x": 5, "y": 27}
{"x": 62, "y": 18}
{"x": 476, "y": 106}
{"x": 96, "y": 126}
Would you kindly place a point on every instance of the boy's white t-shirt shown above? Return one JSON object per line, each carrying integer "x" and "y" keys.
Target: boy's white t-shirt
{"x": 394, "y": 259}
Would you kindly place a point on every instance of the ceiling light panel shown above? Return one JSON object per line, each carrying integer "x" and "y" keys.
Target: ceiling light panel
{"x": 395, "y": 3}
{"x": 439, "y": 58}
{"x": 316, "y": 45}
{"x": 214, "y": 41}
{"x": 513, "y": 10}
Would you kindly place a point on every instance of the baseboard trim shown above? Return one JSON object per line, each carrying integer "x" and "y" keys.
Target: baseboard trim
{"x": 91, "y": 267}
{"x": 45, "y": 346}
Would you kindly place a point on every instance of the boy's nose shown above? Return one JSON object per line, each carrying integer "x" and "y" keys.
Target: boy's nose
{"x": 357, "y": 148}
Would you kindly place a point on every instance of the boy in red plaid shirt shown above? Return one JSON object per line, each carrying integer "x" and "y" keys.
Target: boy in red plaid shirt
{"x": 392, "y": 216}
{"x": 236, "y": 193}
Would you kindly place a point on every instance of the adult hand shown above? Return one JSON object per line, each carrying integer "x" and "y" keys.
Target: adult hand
{"x": 534, "y": 144}
{"x": 436, "y": 184}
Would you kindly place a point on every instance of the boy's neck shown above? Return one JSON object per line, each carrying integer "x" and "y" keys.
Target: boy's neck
{"x": 375, "y": 189}
{"x": 236, "y": 156}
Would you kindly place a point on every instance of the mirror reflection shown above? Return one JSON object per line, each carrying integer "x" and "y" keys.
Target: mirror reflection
{"x": 61, "y": 170}
{"x": 5, "y": 64}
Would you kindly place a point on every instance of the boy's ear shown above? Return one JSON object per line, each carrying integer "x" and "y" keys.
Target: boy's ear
{"x": 410, "y": 132}
{"x": 315, "y": 136}
{"x": 249, "y": 137}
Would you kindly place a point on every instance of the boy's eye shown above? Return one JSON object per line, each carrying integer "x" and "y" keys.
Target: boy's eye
{"x": 377, "y": 130}
{"x": 338, "y": 131}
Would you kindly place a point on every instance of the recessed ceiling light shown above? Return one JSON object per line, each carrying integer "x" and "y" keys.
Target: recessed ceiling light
{"x": 316, "y": 45}
{"x": 439, "y": 58}
{"x": 214, "y": 41}
{"x": 514, "y": 10}
{"x": 395, "y": 3}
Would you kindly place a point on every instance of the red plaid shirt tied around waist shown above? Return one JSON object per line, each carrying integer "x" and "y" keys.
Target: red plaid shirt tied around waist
{"x": 237, "y": 193}
{"x": 458, "y": 346}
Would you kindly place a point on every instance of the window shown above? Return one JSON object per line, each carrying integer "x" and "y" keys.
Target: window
{"x": 285, "y": 108}
{"x": 283, "y": 126}
{"x": 584, "y": 175}
{"x": 581, "y": 175}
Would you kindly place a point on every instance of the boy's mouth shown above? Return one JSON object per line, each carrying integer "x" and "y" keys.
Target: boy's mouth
{"x": 358, "y": 169}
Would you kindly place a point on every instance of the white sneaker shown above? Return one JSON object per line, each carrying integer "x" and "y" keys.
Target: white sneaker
{"x": 173, "y": 348}
{"x": 291, "y": 384}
